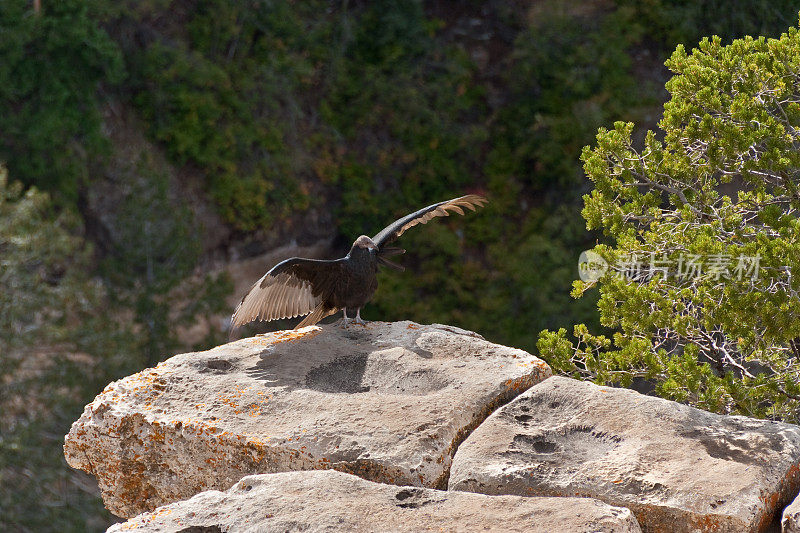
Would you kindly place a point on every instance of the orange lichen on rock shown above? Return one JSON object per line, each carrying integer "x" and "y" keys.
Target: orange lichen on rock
{"x": 146, "y": 520}
{"x": 287, "y": 336}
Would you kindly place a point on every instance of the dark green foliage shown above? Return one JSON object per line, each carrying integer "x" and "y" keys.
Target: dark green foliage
{"x": 197, "y": 110}
{"x": 569, "y": 75}
{"x": 405, "y": 108}
{"x": 229, "y": 99}
{"x": 672, "y": 22}
{"x": 155, "y": 246}
{"x": 52, "y": 316}
{"x": 38, "y": 490}
{"x": 51, "y": 68}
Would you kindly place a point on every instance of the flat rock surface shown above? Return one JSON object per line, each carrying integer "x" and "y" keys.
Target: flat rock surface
{"x": 677, "y": 468}
{"x": 333, "y": 501}
{"x": 388, "y": 402}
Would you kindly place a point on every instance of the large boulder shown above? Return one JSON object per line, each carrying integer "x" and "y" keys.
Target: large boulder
{"x": 388, "y": 402}
{"x": 333, "y": 501}
{"x": 677, "y": 468}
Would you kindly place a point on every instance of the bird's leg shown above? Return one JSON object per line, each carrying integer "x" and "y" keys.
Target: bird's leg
{"x": 357, "y": 319}
{"x": 344, "y": 322}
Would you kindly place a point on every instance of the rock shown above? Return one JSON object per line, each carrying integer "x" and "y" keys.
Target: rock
{"x": 333, "y": 501}
{"x": 790, "y": 521}
{"x": 389, "y": 402}
{"x": 677, "y": 468}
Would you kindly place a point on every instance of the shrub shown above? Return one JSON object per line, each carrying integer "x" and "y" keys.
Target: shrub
{"x": 705, "y": 237}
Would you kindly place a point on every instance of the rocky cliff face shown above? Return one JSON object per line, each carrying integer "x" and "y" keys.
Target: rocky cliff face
{"x": 409, "y": 409}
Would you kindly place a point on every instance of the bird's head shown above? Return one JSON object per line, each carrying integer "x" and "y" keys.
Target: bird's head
{"x": 365, "y": 243}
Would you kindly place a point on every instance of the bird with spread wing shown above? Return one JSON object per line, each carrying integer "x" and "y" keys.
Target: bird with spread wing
{"x": 319, "y": 288}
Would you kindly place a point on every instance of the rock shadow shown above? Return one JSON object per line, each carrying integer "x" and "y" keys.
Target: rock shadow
{"x": 351, "y": 361}
{"x": 737, "y": 444}
{"x": 343, "y": 374}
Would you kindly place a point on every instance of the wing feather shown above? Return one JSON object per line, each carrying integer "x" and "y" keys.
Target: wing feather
{"x": 319, "y": 312}
{"x": 291, "y": 288}
{"x": 296, "y": 303}
{"x": 280, "y": 301}
{"x": 442, "y": 209}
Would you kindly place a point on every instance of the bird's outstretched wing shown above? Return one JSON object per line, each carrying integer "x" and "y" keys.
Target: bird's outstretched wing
{"x": 293, "y": 287}
{"x": 442, "y": 209}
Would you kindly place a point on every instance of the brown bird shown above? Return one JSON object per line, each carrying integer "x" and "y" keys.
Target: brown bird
{"x": 319, "y": 288}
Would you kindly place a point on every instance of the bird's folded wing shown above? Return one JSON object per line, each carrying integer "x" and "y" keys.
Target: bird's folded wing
{"x": 442, "y": 209}
{"x": 292, "y": 288}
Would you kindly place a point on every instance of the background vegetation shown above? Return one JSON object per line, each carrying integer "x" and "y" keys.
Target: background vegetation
{"x": 116, "y": 116}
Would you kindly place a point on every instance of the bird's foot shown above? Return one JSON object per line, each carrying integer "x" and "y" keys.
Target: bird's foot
{"x": 345, "y": 321}
{"x": 357, "y": 319}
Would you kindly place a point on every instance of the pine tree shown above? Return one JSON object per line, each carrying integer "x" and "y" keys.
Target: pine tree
{"x": 701, "y": 280}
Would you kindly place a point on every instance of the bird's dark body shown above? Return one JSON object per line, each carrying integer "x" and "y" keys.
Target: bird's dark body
{"x": 352, "y": 286}
{"x": 298, "y": 286}
{"x": 361, "y": 268}
{"x": 358, "y": 280}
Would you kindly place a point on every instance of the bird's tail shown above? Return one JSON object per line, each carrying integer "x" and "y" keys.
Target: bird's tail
{"x": 319, "y": 312}
{"x": 234, "y": 328}
{"x": 389, "y": 252}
